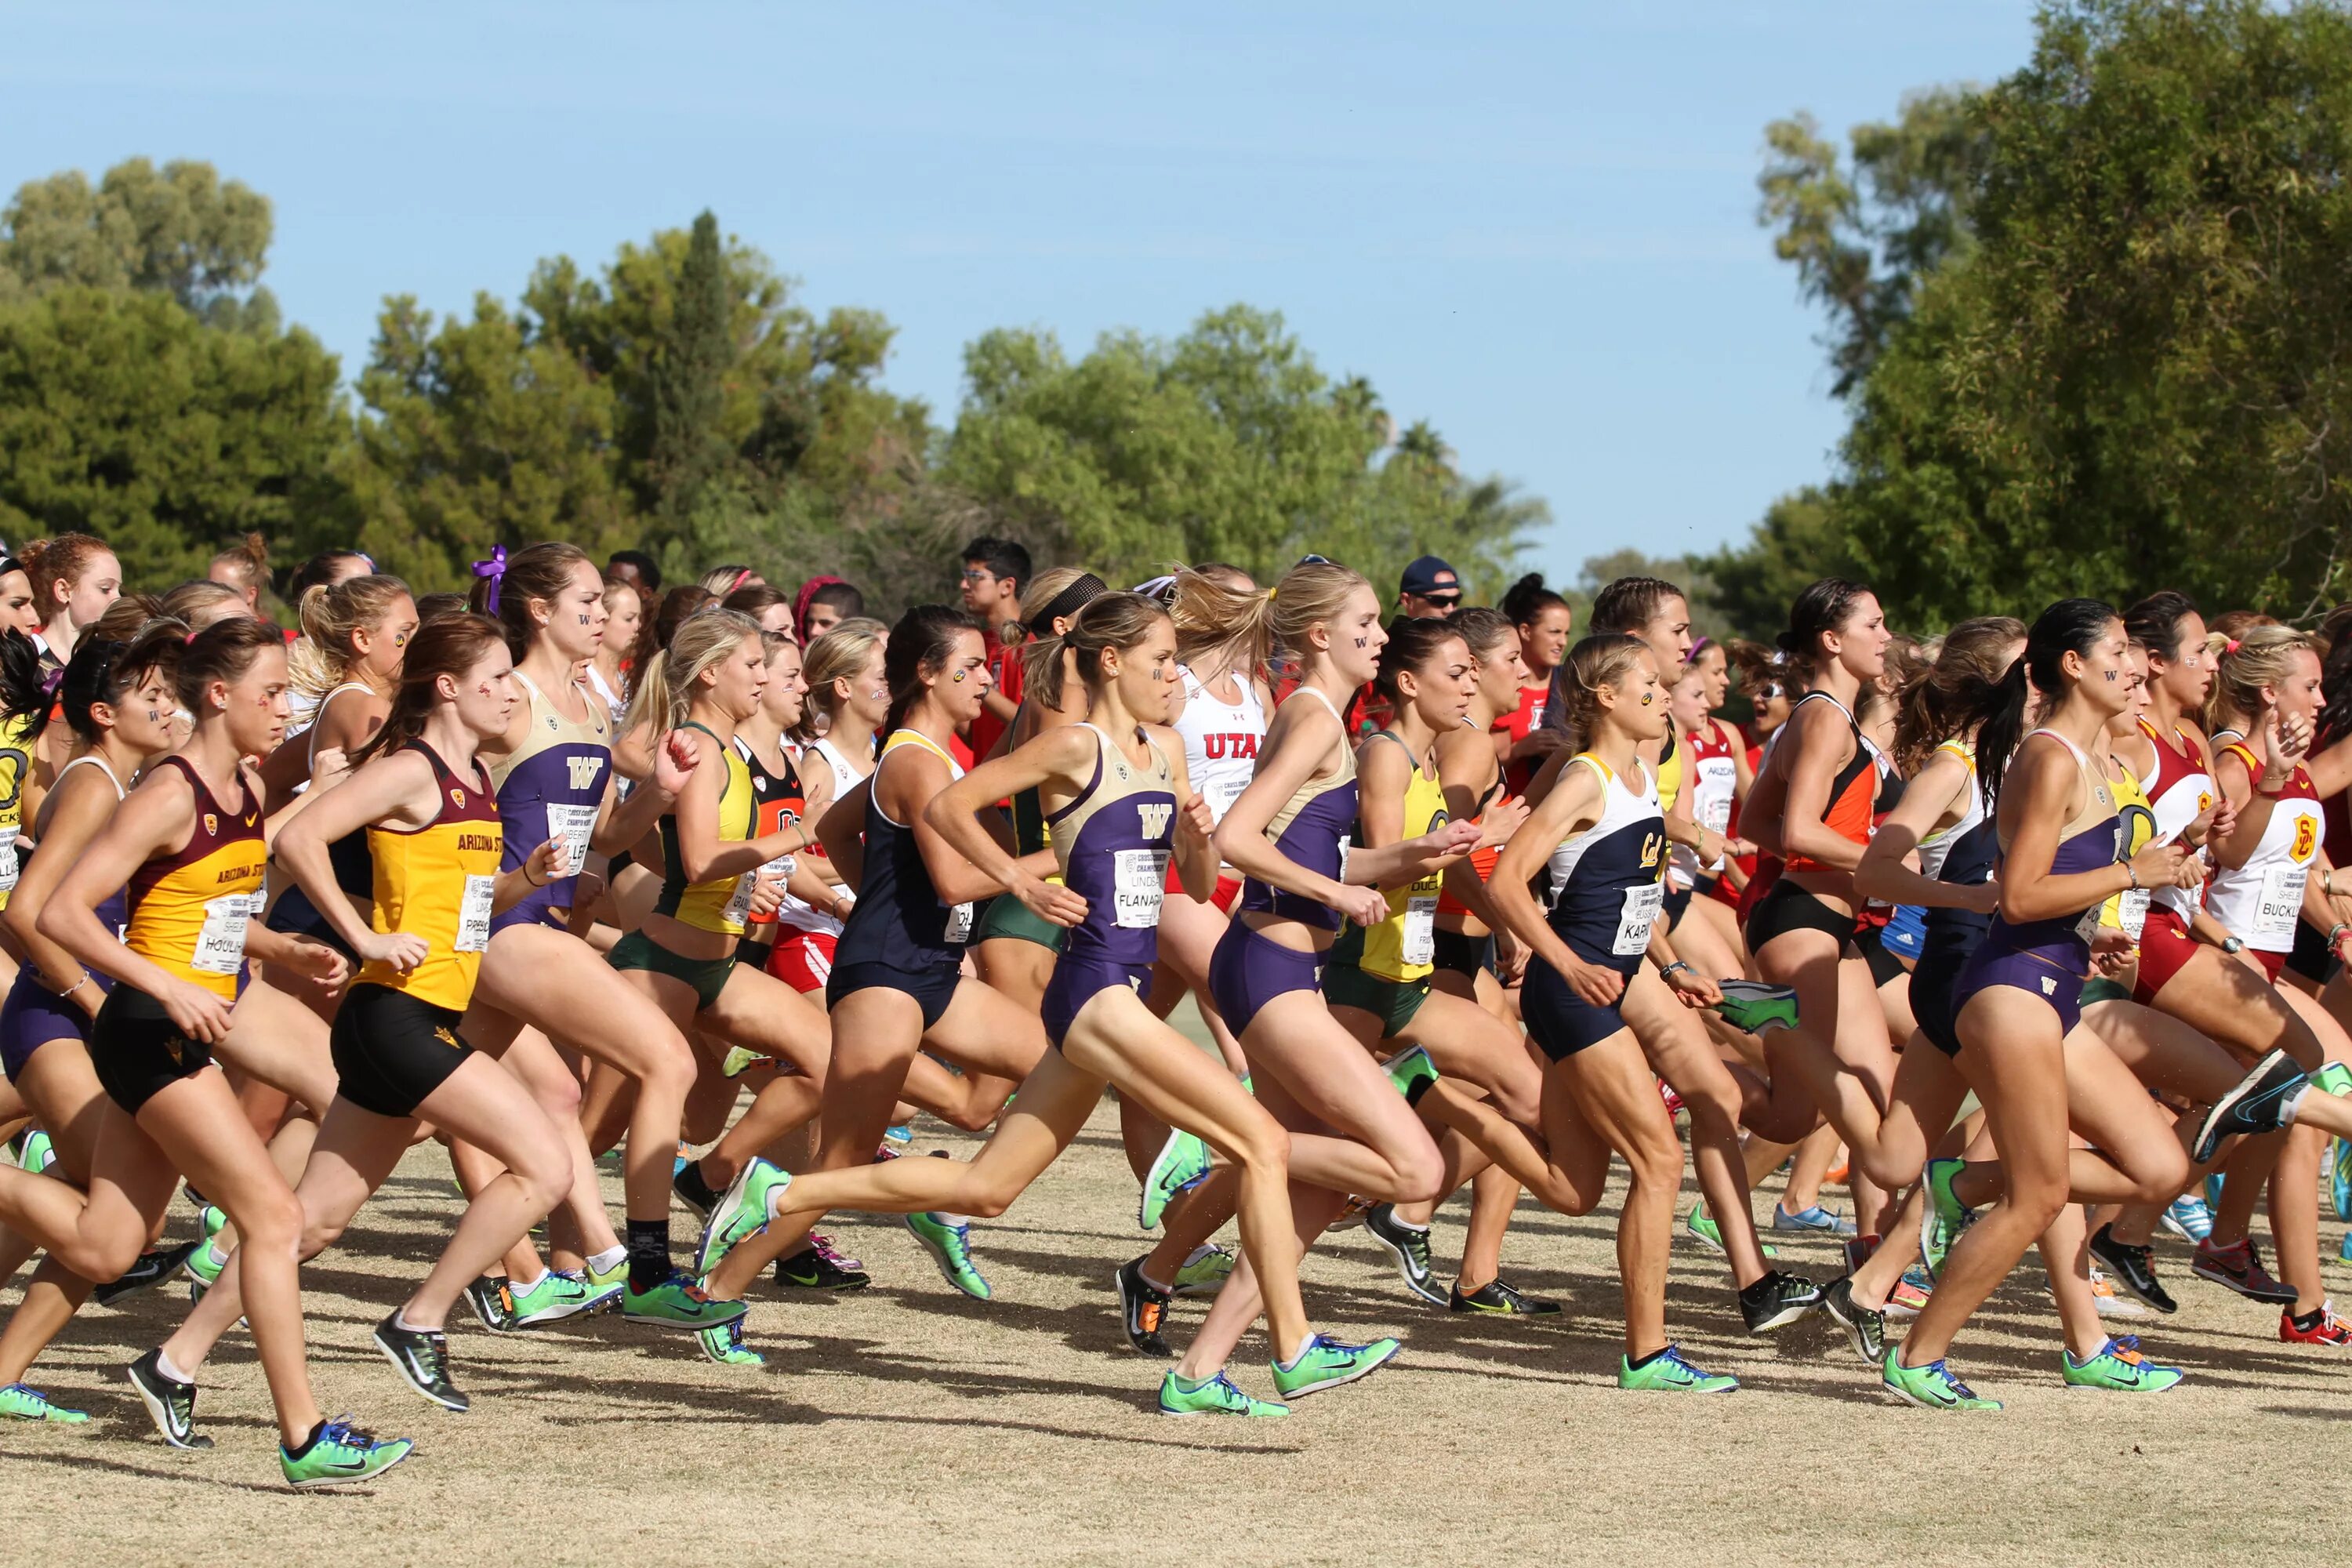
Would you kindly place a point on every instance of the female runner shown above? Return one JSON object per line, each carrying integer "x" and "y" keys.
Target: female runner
{"x": 426, "y": 803}
{"x": 73, "y": 577}
{"x": 1543, "y": 620}
{"x": 848, "y": 697}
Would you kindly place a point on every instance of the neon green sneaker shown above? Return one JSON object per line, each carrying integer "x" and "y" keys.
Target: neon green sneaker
{"x": 1212, "y": 1396}
{"x": 558, "y": 1294}
{"x": 1413, "y": 1072}
{"x": 678, "y": 1302}
{"x": 203, "y": 1265}
{"x": 1183, "y": 1160}
{"x": 1327, "y": 1364}
{"x": 725, "y": 1345}
{"x": 2120, "y": 1367}
{"x": 2333, "y": 1077}
{"x": 1201, "y": 1274}
{"x": 22, "y": 1401}
{"x": 35, "y": 1152}
{"x": 739, "y": 1061}
{"x": 1667, "y": 1371}
{"x": 340, "y": 1453}
{"x": 1755, "y": 1008}
{"x": 1930, "y": 1387}
{"x": 950, "y": 1248}
{"x": 741, "y": 1211}
{"x": 1943, "y": 1216}
{"x": 608, "y": 1283}
{"x": 213, "y": 1219}
{"x": 1701, "y": 1224}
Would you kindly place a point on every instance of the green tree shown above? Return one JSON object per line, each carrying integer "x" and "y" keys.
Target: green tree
{"x": 689, "y": 379}
{"x": 178, "y": 230}
{"x": 123, "y": 415}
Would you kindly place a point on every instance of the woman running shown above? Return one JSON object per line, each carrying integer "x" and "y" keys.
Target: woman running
{"x": 848, "y": 697}
{"x": 1543, "y": 621}
{"x": 426, "y": 803}
{"x": 189, "y": 843}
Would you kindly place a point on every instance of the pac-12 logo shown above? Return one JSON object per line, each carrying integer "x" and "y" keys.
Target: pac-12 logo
{"x": 1155, "y": 815}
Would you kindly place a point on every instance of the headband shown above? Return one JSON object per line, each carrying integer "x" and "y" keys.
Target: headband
{"x": 494, "y": 569}
{"x": 1161, "y": 588}
{"x": 1072, "y": 599}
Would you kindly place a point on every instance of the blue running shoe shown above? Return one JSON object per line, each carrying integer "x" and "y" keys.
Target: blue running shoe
{"x": 2339, "y": 1178}
{"x": 1814, "y": 1218}
{"x": 2188, "y": 1218}
{"x": 2213, "y": 1191}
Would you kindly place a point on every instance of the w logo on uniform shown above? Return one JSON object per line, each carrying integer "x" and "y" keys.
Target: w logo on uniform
{"x": 1155, "y": 815}
{"x": 583, "y": 770}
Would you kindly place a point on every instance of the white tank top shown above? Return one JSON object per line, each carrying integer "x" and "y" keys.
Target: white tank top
{"x": 1936, "y": 848}
{"x": 1221, "y": 741}
{"x": 2260, "y": 901}
{"x": 797, "y": 914}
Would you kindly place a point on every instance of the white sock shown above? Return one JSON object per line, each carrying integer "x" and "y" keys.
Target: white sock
{"x": 950, "y": 1220}
{"x": 610, "y": 1258}
{"x": 164, "y": 1365}
{"x": 2292, "y": 1105}
{"x": 400, "y": 1321}
{"x": 1156, "y": 1285}
{"x": 515, "y": 1282}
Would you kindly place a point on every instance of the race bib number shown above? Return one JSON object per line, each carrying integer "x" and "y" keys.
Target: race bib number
{"x": 2279, "y": 907}
{"x": 1347, "y": 841}
{"x": 570, "y": 827}
{"x": 2131, "y": 912}
{"x": 1714, "y": 812}
{"x": 1641, "y": 911}
{"x": 474, "y": 914}
{"x": 1138, "y": 883}
{"x": 1221, "y": 793}
{"x": 739, "y": 908}
{"x": 220, "y": 945}
{"x": 1419, "y": 941}
{"x": 7, "y": 860}
{"x": 958, "y": 926}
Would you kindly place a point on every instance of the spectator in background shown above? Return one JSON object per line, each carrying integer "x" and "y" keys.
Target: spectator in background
{"x": 764, "y": 602}
{"x": 1429, "y": 590}
{"x": 722, "y": 581}
{"x": 329, "y": 567}
{"x": 635, "y": 566}
{"x": 74, "y": 577}
{"x": 995, "y": 572}
{"x": 244, "y": 566}
{"x": 822, "y": 603}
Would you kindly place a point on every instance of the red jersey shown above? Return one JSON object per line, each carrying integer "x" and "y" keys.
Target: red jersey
{"x": 1005, "y": 670}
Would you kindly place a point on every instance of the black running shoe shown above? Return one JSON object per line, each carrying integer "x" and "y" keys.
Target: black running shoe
{"x": 1494, "y": 1296}
{"x": 1144, "y": 1308}
{"x": 1777, "y": 1299}
{"x": 1409, "y": 1245}
{"x": 421, "y": 1356}
{"x": 493, "y": 1304}
{"x": 1865, "y": 1327}
{"x": 173, "y": 1403}
{"x": 150, "y": 1267}
{"x": 2254, "y": 1107}
{"x": 2134, "y": 1269}
{"x": 809, "y": 1269}
{"x": 693, "y": 1191}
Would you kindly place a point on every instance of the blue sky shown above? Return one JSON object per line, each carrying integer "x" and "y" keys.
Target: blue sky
{"x": 1533, "y": 226}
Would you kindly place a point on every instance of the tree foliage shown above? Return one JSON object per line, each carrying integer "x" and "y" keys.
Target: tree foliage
{"x": 180, "y": 231}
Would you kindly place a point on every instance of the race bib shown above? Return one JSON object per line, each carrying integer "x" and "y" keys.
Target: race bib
{"x": 1221, "y": 793}
{"x": 1138, "y": 883}
{"x": 739, "y": 908}
{"x": 1714, "y": 812}
{"x": 959, "y": 925}
{"x": 1419, "y": 944}
{"x": 220, "y": 945}
{"x": 1347, "y": 841}
{"x": 2279, "y": 907}
{"x": 2131, "y": 912}
{"x": 1642, "y": 906}
{"x": 569, "y": 826}
{"x": 8, "y": 859}
{"x": 474, "y": 914}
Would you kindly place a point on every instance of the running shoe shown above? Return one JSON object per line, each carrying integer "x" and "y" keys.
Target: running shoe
{"x": 2257, "y": 1105}
{"x": 1755, "y": 1008}
{"x": 2320, "y": 1328}
{"x": 1776, "y": 1301}
{"x": 825, "y": 1249}
{"x": 811, "y": 1269}
{"x": 1943, "y": 1216}
{"x": 1673, "y": 1098}
{"x": 32, "y": 1151}
{"x": 1930, "y": 1387}
{"x": 739, "y": 1061}
{"x": 1498, "y": 1296}
{"x": 203, "y": 1265}
{"x": 741, "y": 1211}
{"x": 171, "y": 1403}
{"x": 2213, "y": 1190}
{"x": 2238, "y": 1266}
{"x": 493, "y": 1303}
{"x": 725, "y": 1345}
{"x": 1327, "y": 1364}
{"x": 421, "y": 1356}
{"x": 678, "y": 1302}
{"x": 1413, "y": 1072}
{"x": 158, "y": 1264}
{"x": 898, "y": 1136}
{"x": 1700, "y": 1224}
{"x": 950, "y": 1248}
{"x": 1909, "y": 1296}
{"x": 2333, "y": 1077}
{"x": 1204, "y": 1272}
{"x": 1813, "y": 1218}
{"x": 213, "y": 1219}
{"x": 339, "y": 1453}
{"x": 1409, "y": 1246}
{"x": 1865, "y": 1329}
{"x": 2339, "y": 1178}
{"x": 1183, "y": 1160}
{"x": 687, "y": 1185}
{"x": 2118, "y": 1367}
{"x": 2187, "y": 1217}
{"x": 1143, "y": 1308}
{"x": 606, "y": 1284}
{"x": 2110, "y": 1302}
{"x": 1212, "y": 1396}
{"x": 560, "y": 1293}
{"x": 2133, "y": 1268}
{"x": 2344, "y": 1248}
{"x": 23, "y": 1402}
{"x": 1667, "y": 1371}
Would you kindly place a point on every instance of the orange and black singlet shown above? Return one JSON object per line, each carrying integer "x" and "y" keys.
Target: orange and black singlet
{"x": 1852, "y": 794}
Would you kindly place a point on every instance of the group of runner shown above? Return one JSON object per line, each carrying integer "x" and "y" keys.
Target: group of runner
{"x": 2036, "y": 924}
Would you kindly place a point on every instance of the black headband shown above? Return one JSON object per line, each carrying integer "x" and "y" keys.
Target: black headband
{"x": 1071, "y": 600}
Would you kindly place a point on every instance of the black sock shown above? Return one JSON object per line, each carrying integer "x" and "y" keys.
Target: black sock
{"x": 648, "y": 1253}
{"x": 1638, "y": 1362}
{"x": 307, "y": 1444}
{"x": 2307, "y": 1322}
{"x": 693, "y": 1188}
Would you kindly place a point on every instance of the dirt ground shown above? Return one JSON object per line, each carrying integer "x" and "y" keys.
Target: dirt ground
{"x": 906, "y": 1422}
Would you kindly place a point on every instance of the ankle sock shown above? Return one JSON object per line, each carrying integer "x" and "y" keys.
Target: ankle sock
{"x": 164, "y": 1365}
{"x": 607, "y": 1261}
{"x": 648, "y": 1253}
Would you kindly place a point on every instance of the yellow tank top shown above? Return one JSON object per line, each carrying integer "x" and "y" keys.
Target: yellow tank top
{"x": 188, "y": 910}
{"x": 1400, "y": 948}
{"x": 16, "y": 766}
{"x": 2128, "y": 909}
{"x": 723, "y": 904}
{"x": 435, "y": 882}
{"x": 1670, "y": 771}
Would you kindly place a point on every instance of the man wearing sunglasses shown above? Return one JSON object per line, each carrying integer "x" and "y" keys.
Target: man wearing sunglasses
{"x": 1430, "y": 590}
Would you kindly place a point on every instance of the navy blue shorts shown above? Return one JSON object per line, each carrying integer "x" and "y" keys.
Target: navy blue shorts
{"x": 34, "y": 1015}
{"x": 1560, "y": 1021}
{"x": 1247, "y": 971}
{"x": 932, "y": 989}
{"x": 1075, "y": 982}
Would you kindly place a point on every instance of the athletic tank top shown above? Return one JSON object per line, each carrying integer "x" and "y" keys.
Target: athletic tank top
{"x": 1714, "y": 773}
{"x": 845, "y": 778}
{"x": 1963, "y": 855}
{"x": 16, "y": 766}
{"x": 1400, "y": 948}
{"x": 898, "y": 919}
{"x": 2260, "y": 901}
{"x": 777, "y": 802}
{"x": 1112, "y": 842}
{"x": 189, "y": 909}
{"x": 113, "y": 911}
{"x": 1602, "y": 885}
{"x": 1220, "y": 741}
{"x": 2087, "y": 842}
{"x": 1852, "y": 793}
{"x": 349, "y": 853}
{"x": 551, "y": 786}
{"x": 723, "y": 904}
{"x": 1518, "y": 724}
{"x": 2136, "y": 819}
{"x": 615, "y": 704}
{"x": 1482, "y": 861}
{"x": 1311, "y": 830}
{"x": 435, "y": 882}
{"x": 2176, "y": 792}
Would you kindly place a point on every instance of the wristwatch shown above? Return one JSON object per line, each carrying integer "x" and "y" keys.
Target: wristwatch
{"x": 2232, "y": 946}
